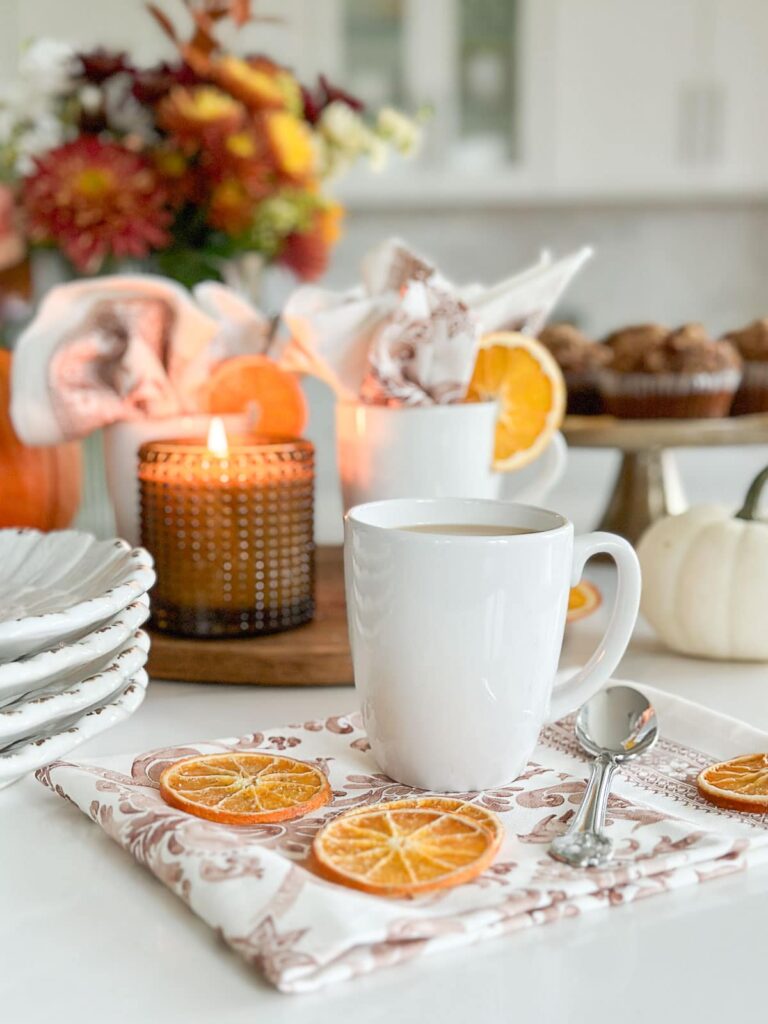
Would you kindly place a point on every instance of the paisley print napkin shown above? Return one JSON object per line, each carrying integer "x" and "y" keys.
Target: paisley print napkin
{"x": 405, "y": 335}
{"x": 250, "y": 884}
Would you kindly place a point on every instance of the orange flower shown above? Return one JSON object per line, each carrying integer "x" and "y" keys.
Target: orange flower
{"x": 192, "y": 114}
{"x": 180, "y": 178}
{"x": 241, "y": 155}
{"x": 241, "y": 145}
{"x": 307, "y": 253}
{"x": 231, "y": 207}
{"x": 256, "y": 85}
{"x": 96, "y": 199}
{"x": 328, "y": 223}
{"x": 291, "y": 142}
{"x": 12, "y": 247}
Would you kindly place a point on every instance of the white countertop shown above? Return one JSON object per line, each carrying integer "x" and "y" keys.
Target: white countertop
{"x": 88, "y": 936}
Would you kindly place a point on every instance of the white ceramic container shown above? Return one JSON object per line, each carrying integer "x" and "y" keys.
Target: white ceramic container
{"x": 439, "y": 451}
{"x": 456, "y": 638}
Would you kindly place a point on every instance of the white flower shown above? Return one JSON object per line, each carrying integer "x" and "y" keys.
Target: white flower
{"x": 44, "y": 134}
{"x": 344, "y": 138}
{"x": 90, "y": 98}
{"x": 377, "y": 153}
{"x": 402, "y": 131}
{"x": 342, "y": 127}
{"x": 46, "y": 67}
{"x": 331, "y": 161}
{"x": 124, "y": 112}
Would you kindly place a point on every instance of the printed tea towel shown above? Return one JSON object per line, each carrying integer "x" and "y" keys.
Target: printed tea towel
{"x": 252, "y": 885}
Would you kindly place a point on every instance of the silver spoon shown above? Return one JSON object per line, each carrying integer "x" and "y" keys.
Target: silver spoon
{"x": 617, "y": 724}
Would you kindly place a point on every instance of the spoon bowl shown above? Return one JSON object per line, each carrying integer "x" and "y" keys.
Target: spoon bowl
{"x": 616, "y": 725}
{"x": 618, "y": 721}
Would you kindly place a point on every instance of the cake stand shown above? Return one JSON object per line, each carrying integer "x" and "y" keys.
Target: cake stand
{"x": 648, "y": 484}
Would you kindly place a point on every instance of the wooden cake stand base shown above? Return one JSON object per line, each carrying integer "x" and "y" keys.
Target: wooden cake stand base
{"x": 648, "y": 485}
{"x": 313, "y": 655}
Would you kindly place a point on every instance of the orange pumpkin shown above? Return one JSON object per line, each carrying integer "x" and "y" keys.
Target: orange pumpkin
{"x": 39, "y": 487}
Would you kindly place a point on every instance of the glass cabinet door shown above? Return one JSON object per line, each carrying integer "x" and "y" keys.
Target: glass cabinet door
{"x": 487, "y": 40}
{"x": 373, "y": 47}
{"x": 457, "y": 58}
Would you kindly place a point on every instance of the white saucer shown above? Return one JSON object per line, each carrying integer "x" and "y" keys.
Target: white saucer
{"x": 71, "y": 661}
{"x": 44, "y": 708}
{"x": 55, "y": 586}
{"x": 27, "y": 755}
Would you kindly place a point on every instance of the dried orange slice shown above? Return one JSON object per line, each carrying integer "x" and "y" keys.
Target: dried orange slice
{"x": 247, "y": 383}
{"x": 583, "y": 599}
{"x": 523, "y": 377}
{"x": 244, "y": 789}
{"x": 484, "y": 818}
{"x": 740, "y": 784}
{"x": 402, "y": 851}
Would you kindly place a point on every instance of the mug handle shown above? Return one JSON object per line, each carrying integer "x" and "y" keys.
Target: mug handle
{"x": 572, "y": 692}
{"x": 551, "y": 466}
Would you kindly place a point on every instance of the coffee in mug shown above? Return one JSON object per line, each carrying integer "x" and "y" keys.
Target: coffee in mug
{"x": 466, "y": 529}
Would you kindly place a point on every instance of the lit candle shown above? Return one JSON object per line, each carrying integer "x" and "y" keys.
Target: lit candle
{"x": 230, "y": 526}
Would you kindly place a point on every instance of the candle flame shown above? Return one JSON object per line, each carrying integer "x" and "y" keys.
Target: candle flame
{"x": 217, "y": 438}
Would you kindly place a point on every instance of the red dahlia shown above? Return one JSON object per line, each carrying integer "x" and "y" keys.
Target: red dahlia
{"x": 96, "y": 199}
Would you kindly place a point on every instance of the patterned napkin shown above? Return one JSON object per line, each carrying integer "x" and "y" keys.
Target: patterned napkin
{"x": 121, "y": 348}
{"x": 408, "y": 336}
{"x": 304, "y": 933}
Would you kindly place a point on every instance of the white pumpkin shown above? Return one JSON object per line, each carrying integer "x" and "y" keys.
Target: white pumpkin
{"x": 705, "y": 580}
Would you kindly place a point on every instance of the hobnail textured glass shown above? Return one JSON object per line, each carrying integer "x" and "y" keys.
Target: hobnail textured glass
{"x": 232, "y": 536}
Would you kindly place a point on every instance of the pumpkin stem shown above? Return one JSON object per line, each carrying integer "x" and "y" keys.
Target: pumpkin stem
{"x": 752, "y": 500}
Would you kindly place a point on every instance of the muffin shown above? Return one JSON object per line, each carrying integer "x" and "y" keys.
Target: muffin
{"x": 579, "y": 358}
{"x": 752, "y": 345}
{"x": 638, "y": 337}
{"x": 656, "y": 373}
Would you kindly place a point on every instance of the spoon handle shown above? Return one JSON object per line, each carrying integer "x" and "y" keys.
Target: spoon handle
{"x": 584, "y": 845}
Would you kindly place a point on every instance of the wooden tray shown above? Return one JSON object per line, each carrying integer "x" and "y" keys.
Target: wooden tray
{"x": 313, "y": 655}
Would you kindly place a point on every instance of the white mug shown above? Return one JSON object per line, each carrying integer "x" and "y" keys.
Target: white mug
{"x": 433, "y": 452}
{"x": 456, "y": 637}
{"x": 122, "y": 441}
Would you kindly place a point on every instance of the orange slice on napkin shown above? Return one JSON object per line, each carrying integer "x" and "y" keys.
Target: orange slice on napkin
{"x": 740, "y": 784}
{"x": 583, "y": 599}
{"x": 402, "y": 851}
{"x": 523, "y": 377}
{"x": 244, "y": 789}
{"x": 257, "y": 382}
{"x": 484, "y": 818}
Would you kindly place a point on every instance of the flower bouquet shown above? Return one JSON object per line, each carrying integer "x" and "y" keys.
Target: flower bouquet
{"x": 186, "y": 165}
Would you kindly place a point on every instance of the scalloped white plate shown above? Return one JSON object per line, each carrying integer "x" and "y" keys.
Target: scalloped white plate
{"x": 68, "y": 662}
{"x": 44, "y": 708}
{"x": 28, "y": 755}
{"x": 57, "y": 585}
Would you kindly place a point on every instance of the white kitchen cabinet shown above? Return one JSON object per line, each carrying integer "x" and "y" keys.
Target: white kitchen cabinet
{"x": 660, "y": 96}
{"x": 620, "y": 68}
{"x": 740, "y": 71}
{"x": 613, "y": 99}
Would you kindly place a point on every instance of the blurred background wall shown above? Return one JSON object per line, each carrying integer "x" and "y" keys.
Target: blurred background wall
{"x": 638, "y": 127}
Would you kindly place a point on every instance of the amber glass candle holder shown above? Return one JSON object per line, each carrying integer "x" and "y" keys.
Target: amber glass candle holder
{"x": 231, "y": 534}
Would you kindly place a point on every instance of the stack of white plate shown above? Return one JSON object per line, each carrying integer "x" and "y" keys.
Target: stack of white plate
{"x": 72, "y": 654}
